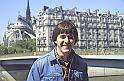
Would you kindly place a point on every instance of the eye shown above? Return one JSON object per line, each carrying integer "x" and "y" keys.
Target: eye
{"x": 71, "y": 37}
{"x": 63, "y": 36}
{"x": 68, "y": 36}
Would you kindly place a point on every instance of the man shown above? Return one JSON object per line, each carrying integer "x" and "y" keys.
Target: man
{"x": 62, "y": 63}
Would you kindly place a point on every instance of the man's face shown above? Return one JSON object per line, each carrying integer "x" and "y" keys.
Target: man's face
{"x": 64, "y": 43}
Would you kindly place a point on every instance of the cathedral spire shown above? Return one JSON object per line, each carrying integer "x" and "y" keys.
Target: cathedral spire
{"x": 28, "y": 14}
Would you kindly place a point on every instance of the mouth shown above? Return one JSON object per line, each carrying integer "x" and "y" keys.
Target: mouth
{"x": 66, "y": 46}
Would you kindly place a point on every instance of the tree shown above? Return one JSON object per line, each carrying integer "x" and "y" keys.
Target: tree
{"x": 26, "y": 44}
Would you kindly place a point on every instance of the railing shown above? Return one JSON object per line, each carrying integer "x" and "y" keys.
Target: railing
{"x": 16, "y": 69}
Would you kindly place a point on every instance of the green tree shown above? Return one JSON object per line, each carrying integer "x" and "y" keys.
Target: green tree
{"x": 3, "y": 49}
{"x": 26, "y": 44}
{"x": 31, "y": 45}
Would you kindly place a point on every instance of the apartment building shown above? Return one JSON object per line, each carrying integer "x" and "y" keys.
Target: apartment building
{"x": 95, "y": 29}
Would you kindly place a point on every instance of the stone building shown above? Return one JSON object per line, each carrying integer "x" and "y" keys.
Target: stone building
{"x": 96, "y": 30}
{"x": 22, "y": 29}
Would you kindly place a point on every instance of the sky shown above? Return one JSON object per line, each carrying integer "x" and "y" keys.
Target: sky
{"x": 10, "y": 9}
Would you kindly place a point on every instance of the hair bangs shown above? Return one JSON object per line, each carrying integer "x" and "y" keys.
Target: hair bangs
{"x": 67, "y": 31}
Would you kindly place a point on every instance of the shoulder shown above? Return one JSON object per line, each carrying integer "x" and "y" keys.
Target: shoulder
{"x": 80, "y": 59}
{"x": 41, "y": 60}
{"x": 45, "y": 58}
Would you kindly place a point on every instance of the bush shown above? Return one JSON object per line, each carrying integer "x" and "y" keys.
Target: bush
{"x": 3, "y": 50}
{"x": 11, "y": 50}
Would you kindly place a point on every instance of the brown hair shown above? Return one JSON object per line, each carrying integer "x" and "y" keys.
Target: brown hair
{"x": 65, "y": 26}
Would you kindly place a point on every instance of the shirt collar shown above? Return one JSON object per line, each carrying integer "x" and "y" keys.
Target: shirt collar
{"x": 53, "y": 55}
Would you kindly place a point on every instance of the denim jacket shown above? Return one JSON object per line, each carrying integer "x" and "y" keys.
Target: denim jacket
{"x": 46, "y": 68}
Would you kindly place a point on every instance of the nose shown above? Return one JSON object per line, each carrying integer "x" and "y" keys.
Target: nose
{"x": 67, "y": 39}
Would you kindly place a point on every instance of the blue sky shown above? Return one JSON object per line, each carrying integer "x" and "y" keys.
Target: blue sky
{"x": 10, "y": 9}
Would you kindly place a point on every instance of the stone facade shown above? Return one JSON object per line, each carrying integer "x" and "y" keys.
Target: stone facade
{"x": 22, "y": 29}
{"x": 95, "y": 30}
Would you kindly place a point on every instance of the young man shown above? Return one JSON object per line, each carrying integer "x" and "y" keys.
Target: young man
{"x": 62, "y": 63}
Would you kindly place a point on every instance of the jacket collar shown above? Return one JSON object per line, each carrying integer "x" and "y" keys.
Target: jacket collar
{"x": 52, "y": 55}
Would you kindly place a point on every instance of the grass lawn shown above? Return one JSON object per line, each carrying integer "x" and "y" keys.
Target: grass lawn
{"x": 21, "y": 54}
{"x": 78, "y": 51}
